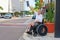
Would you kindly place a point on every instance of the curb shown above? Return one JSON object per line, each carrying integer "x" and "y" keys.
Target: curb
{"x": 29, "y": 37}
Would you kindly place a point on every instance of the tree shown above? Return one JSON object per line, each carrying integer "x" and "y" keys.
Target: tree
{"x": 1, "y": 8}
{"x": 38, "y": 4}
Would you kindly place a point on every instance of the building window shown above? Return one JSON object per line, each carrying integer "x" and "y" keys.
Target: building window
{"x": 27, "y": 3}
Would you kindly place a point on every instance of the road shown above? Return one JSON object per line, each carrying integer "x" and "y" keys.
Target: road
{"x": 12, "y": 29}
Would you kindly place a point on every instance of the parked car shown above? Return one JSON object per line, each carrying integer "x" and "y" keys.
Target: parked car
{"x": 8, "y": 16}
{"x": 1, "y": 16}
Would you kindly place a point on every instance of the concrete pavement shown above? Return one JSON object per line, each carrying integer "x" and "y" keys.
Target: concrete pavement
{"x": 49, "y": 36}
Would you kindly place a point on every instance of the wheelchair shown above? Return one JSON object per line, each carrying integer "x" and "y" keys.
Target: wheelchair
{"x": 41, "y": 29}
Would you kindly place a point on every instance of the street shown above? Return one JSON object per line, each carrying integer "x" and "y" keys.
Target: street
{"x": 12, "y": 29}
{"x": 15, "y": 15}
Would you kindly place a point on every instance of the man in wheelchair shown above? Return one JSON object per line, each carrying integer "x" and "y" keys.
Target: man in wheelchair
{"x": 37, "y": 21}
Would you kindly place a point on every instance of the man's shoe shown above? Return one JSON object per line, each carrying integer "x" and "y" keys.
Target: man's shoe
{"x": 29, "y": 33}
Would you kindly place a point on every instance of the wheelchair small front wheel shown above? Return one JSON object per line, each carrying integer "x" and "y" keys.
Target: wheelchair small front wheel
{"x": 42, "y": 30}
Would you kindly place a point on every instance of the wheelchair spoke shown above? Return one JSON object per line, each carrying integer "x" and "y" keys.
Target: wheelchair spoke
{"x": 43, "y": 30}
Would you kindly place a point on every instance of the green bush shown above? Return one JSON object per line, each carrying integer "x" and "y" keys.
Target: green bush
{"x": 38, "y": 5}
{"x": 50, "y": 13}
{"x": 16, "y": 14}
{"x": 26, "y": 12}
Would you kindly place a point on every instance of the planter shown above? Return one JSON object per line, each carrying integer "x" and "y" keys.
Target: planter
{"x": 50, "y": 27}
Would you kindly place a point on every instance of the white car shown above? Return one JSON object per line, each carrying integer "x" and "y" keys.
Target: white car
{"x": 8, "y": 16}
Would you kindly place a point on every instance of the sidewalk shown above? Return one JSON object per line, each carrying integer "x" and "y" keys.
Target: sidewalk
{"x": 21, "y": 17}
{"x": 13, "y": 18}
{"x": 49, "y": 36}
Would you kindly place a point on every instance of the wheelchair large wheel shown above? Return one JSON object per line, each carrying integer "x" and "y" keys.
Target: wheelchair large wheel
{"x": 42, "y": 30}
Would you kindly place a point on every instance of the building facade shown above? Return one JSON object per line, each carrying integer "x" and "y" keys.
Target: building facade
{"x": 15, "y": 5}
{"x": 4, "y": 5}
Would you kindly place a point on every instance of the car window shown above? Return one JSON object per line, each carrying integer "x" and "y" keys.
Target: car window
{"x": 8, "y": 14}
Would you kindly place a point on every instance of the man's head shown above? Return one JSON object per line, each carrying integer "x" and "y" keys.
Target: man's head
{"x": 42, "y": 11}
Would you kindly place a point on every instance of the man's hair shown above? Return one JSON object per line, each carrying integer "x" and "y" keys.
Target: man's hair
{"x": 42, "y": 8}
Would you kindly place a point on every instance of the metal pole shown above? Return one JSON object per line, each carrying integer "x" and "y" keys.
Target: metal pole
{"x": 50, "y": 0}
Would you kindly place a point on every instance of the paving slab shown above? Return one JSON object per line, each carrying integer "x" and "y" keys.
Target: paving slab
{"x": 49, "y": 36}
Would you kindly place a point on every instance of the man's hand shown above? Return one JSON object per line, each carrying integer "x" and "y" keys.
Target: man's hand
{"x": 36, "y": 20}
{"x": 31, "y": 8}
